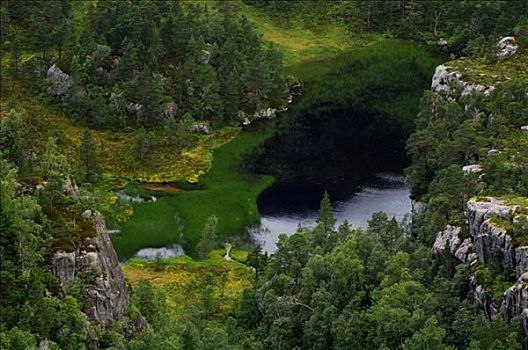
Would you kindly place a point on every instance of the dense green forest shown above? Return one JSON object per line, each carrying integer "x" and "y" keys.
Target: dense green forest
{"x": 169, "y": 101}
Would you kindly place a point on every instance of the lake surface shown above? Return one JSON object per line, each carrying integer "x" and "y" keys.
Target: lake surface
{"x": 284, "y": 206}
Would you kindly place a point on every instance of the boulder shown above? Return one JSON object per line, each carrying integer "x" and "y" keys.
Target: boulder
{"x": 470, "y": 169}
{"x": 169, "y": 110}
{"x": 201, "y": 128}
{"x": 58, "y": 82}
{"x": 442, "y": 78}
{"x": 507, "y": 47}
{"x": 134, "y": 108}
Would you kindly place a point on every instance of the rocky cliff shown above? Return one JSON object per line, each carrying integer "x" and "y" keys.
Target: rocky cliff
{"x": 105, "y": 294}
{"x": 489, "y": 239}
{"x": 486, "y": 239}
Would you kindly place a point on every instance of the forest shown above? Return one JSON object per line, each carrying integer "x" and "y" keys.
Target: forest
{"x": 135, "y": 124}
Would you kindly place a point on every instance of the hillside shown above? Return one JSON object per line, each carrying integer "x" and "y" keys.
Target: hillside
{"x": 137, "y": 138}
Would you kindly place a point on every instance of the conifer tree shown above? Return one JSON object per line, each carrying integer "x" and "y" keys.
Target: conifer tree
{"x": 89, "y": 169}
{"x": 209, "y": 237}
{"x": 326, "y": 217}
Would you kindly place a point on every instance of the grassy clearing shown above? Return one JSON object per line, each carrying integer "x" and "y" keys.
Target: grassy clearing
{"x": 296, "y": 40}
{"x": 182, "y": 279}
{"x": 229, "y": 193}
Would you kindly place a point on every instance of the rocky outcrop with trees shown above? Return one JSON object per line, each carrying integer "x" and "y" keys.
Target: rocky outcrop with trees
{"x": 96, "y": 266}
{"x": 490, "y": 234}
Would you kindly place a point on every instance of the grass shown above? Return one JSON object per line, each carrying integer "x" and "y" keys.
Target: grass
{"x": 297, "y": 40}
{"x": 182, "y": 279}
{"x": 229, "y": 193}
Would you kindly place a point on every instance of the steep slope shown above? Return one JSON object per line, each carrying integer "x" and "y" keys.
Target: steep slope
{"x": 490, "y": 233}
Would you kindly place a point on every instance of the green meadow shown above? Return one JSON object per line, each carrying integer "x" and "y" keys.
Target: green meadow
{"x": 227, "y": 191}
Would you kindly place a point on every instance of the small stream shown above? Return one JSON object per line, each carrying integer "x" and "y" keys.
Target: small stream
{"x": 284, "y": 206}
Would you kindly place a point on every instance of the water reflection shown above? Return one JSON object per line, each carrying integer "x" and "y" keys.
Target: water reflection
{"x": 286, "y": 206}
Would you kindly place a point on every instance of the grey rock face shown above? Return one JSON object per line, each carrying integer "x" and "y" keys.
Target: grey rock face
{"x": 448, "y": 238}
{"x": 58, "y": 82}
{"x": 515, "y": 299}
{"x": 71, "y": 188}
{"x": 107, "y": 297}
{"x": 524, "y": 320}
{"x": 487, "y": 237}
{"x": 442, "y": 78}
{"x": 134, "y": 108}
{"x": 63, "y": 266}
{"x": 521, "y": 260}
{"x": 445, "y": 77}
{"x": 417, "y": 207}
{"x": 481, "y": 298}
{"x": 507, "y": 47}
{"x": 464, "y": 253}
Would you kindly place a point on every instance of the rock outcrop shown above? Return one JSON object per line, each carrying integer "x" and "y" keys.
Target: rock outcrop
{"x": 106, "y": 296}
{"x": 446, "y": 78}
{"x": 265, "y": 113}
{"x": 507, "y": 47}
{"x": 169, "y": 110}
{"x": 200, "y": 128}
{"x": 449, "y": 238}
{"x": 515, "y": 300}
{"x": 461, "y": 249}
{"x": 485, "y": 240}
{"x": 488, "y": 237}
{"x": 470, "y": 169}
{"x": 58, "y": 82}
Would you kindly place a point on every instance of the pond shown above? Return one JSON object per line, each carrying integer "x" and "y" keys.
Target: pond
{"x": 286, "y": 205}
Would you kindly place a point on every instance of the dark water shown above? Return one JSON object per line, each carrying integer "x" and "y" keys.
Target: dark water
{"x": 284, "y": 206}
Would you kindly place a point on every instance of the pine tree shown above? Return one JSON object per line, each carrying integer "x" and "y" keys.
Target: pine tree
{"x": 326, "y": 217}
{"x": 209, "y": 237}
{"x": 142, "y": 144}
{"x": 129, "y": 61}
{"x": 89, "y": 169}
